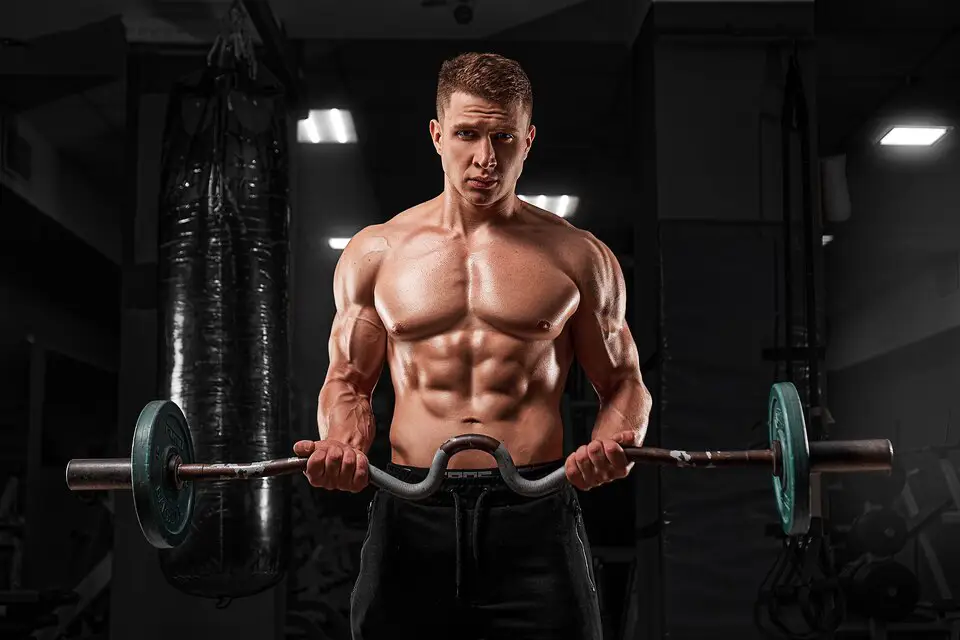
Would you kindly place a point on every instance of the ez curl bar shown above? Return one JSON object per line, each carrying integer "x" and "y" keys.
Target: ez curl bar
{"x": 161, "y": 470}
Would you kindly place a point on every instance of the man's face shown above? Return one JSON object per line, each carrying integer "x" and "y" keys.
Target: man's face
{"x": 482, "y": 146}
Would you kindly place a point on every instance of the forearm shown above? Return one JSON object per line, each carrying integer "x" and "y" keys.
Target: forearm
{"x": 345, "y": 414}
{"x": 625, "y": 408}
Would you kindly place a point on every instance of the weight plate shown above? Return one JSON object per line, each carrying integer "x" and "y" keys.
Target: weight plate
{"x": 163, "y": 509}
{"x": 882, "y": 532}
{"x": 791, "y": 485}
{"x": 885, "y": 590}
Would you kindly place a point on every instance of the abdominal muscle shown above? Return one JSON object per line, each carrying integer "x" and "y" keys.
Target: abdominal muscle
{"x": 477, "y": 382}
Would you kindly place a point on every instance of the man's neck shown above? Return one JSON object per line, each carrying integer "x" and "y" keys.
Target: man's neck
{"x": 459, "y": 214}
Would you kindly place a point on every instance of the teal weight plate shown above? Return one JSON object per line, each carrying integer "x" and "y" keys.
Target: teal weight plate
{"x": 163, "y": 509}
{"x": 791, "y": 485}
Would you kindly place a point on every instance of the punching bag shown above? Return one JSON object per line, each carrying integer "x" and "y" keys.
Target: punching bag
{"x": 223, "y": 298}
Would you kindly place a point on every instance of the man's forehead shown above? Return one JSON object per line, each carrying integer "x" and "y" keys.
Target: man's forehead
{"x": 467, "y": 106}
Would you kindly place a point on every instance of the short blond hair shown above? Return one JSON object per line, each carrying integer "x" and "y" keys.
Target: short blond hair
{"x": 485, "y": 75}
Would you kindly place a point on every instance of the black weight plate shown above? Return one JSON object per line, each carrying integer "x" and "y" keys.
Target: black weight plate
{"x": 788, "y": 432}
{"x": 885, "y": 590}
{"x": 163, "y": 509}
{"x": 882, "y": 532}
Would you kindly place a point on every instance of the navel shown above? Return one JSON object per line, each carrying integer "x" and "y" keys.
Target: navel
{"x": 543, "y": 325}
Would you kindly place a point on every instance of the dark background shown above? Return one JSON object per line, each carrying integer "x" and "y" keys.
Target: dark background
{"x": 664, "y": 118}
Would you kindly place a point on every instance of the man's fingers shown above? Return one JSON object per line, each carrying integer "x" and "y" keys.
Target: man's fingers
{"x": 331, "y": 466}
{"x": 618, "y": 459}
{"x": 586, "y": 466}
{"x": 315, "y": 467}
{"x": 361, "y": 474}
{"x": 602, "y": 465}
{"x": 626, "y": 438}
{"x": 596, "y": 463}
{"x": 334, "y": 466}
{"x": 572, "y": 471}
{"x": 303, "y": 448}
{"x": 348, "y": 467}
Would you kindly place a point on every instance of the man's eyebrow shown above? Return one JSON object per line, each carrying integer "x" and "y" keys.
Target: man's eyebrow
{"x": 473, "y": 126}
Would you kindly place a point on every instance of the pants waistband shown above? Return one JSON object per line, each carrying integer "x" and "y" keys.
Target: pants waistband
{"x": 470, "y": 483}
{"x": 491, "y": 475}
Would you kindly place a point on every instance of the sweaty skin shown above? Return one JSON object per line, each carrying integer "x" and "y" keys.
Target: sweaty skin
{"x": 478, "y": 302}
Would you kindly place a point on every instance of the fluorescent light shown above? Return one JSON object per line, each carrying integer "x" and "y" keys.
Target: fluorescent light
{"x": 338, "y": 125}
{"x": 327, "y": 126}
{"x": 311, "y": 130}
{"x": 563, "y": 206}
{"x": 338, "y": 243}
{"x": 827, "y": 239}
{"x": 913, "y": 136}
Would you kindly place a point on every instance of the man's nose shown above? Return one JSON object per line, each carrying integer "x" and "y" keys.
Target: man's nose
{"x": 486, "y": 156}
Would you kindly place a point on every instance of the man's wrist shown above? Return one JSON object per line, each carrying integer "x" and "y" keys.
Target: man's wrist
{"x": 354, "y": 440}
{"x": 629, "y": 436}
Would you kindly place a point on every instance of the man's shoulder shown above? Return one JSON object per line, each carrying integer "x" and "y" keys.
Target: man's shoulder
{"x": 380, "y": 237}
{"x": 575, "y": 240}
{"x": 586, "y": 255}
{"x": 548, "y": 222}
{"x": 544, "y": 219}
{"x": 412, "y": 218}
{"x": 371, "y": 239}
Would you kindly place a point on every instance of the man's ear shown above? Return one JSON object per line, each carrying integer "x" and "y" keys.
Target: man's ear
{"x": 531, "y": 134}
{"x": 436, "y": 135}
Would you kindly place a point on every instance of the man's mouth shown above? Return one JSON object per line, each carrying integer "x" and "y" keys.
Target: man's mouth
{"x": 482, "y": 183}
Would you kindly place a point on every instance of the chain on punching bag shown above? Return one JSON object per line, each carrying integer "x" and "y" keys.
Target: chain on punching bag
{"x": 223, "y": 291}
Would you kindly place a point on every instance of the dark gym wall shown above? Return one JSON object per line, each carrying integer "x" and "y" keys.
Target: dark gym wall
{"x": 59, "y": 303}
{"x": 894, "y": 303}
{"x": 893, "y": 264}
{"x": 56, "y": 185}
{"x": 59, "y": 357}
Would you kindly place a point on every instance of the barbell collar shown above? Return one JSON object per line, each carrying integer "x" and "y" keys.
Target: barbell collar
{"x": 99, "y": 474}
{"x": 851, "y": 456}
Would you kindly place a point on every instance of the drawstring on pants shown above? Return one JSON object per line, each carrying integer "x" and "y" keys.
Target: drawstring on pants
{"x": 474, "y": 534}
{"x": 456, "y": 517}
{"x": 476, "y": 528}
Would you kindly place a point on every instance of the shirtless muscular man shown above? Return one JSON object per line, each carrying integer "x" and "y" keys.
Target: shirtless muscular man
{"x": 479, "y": 302}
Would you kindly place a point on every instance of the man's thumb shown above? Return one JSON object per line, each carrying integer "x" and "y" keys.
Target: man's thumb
{"x": 628, "y": 438}
{"x": 304, "y": 447}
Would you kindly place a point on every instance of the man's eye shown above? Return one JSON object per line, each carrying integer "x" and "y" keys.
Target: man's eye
{"x": 505, "y": 136}
{"x": 464, "y": 134}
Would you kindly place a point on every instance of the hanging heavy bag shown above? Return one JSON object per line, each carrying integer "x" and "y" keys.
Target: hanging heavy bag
{"x": 224, "y": 219}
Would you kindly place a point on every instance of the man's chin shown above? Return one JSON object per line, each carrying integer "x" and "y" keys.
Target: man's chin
{"x": 483, "y": 197}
